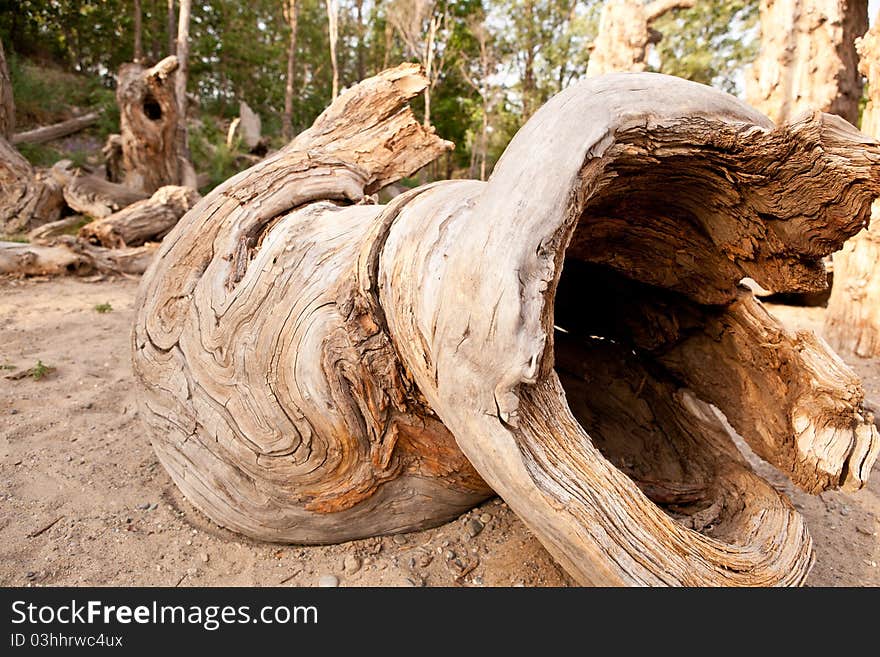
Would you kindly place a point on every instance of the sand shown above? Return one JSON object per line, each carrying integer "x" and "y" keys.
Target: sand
{"x": 83, "y": 500}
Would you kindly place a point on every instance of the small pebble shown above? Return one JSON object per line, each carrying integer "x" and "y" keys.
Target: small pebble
{"x": 864, "y": 530}
{"x": 143, "y": 506}
{"x": 13, "y": 412}
{"x": 154, "y": 506}
{"x": 449, "y": 555}
{"x": 474, "y": 527}
{"x": 844, "y": 511}
{"x": 485, "y": 518}
{"x": 204, "y": 556}
{"x": 30, "y": 574}
{"x": 351, "y": 564}
{"x": 399, "y": 539}
{"x": 328, "y": 581}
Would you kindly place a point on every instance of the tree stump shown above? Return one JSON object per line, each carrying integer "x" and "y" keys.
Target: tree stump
{"x": 148, "y": 122}
{"x": 314, "y": 368}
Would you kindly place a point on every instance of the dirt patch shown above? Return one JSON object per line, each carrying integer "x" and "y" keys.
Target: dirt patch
{"x": 83, "y": 500}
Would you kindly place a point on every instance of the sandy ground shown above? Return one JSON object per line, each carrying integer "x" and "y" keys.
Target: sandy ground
{"x": 83, "y": 500}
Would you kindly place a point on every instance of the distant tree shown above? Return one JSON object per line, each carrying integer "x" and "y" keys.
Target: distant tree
{"x": 7, "y": 103}
{"x": 626, "y": 29}
{"x": 333, "y": 31}
{"x": 171, "y": 28}
{"x": 138, "y": 32}
{"x": 808, "y": 58}
{"x": 187, "y": 172}
{"x": 291, "y": 10}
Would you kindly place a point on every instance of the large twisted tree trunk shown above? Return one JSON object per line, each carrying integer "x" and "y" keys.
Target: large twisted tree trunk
{"x": 852, "y": 323}
{"x": 315, "y": 369}
{"x": 625, "y": 33}
{"x": 808, "y": 58}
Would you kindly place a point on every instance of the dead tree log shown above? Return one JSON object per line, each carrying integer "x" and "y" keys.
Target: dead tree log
{"x": 56, "y": 130}
{"x": 67, "y": 256}
{"x": 96, "y": 197}
{"x": 808, "y": 59}
{"x": 28, "y": 197}
{"x": 625, "y": 33}
{"x": 310, "y": 366}
{"x": 852, "y": 322}
{"x": 148, "y": 117}
{"x": 41, "y": 260}
{"x": 144, "y": 221}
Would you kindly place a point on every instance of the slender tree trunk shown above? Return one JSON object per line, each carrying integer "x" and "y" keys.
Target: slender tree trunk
{"x": 171, "y": 29}
{"x": 852, "y": 322}
{"x": 187, "y": 174}
{"x": 528, "y": 82}
{"x": 138, "y": 32}
{"x": 155, "y": 55}
{"x": 361, "y": 31}
{"x": 291, "y": 9}
{"x": 428, "y": 59}
{"x": 333, "y": 28}
{"x": 808, "y": 58}
{"x": 7, "y": 102}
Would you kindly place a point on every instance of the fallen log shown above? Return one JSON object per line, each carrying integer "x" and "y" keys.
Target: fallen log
{"x": 95, "y": 197}
{"x": 66, "y": 256}
{"x": 56, "y": 130}
{"x": 313, "y": 368}
{"x": 39, "y": 260}
{"x": 148, "y": 220}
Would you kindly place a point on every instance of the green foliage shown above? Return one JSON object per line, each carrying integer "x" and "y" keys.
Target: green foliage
{"x": 40, "y": 370}
{"x": 238, "y": 51}
{"x": 103, "y": 308}
{"x": 709, "y": 43}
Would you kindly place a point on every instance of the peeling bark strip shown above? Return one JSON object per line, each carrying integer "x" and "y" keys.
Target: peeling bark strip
{"x": 297, "y": 353}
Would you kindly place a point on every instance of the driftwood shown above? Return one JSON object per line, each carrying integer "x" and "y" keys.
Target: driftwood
{"x": 852, "y": 322}
{"x": 808, "y": 59}
{"x": 56, "y": 130}
{"x": 144, "y": 221}
{"x": 625, "y": 32}
{"x": 95, "y": 197}
{"x": 148, "y": 122}
{"x": 313, "y": 368}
